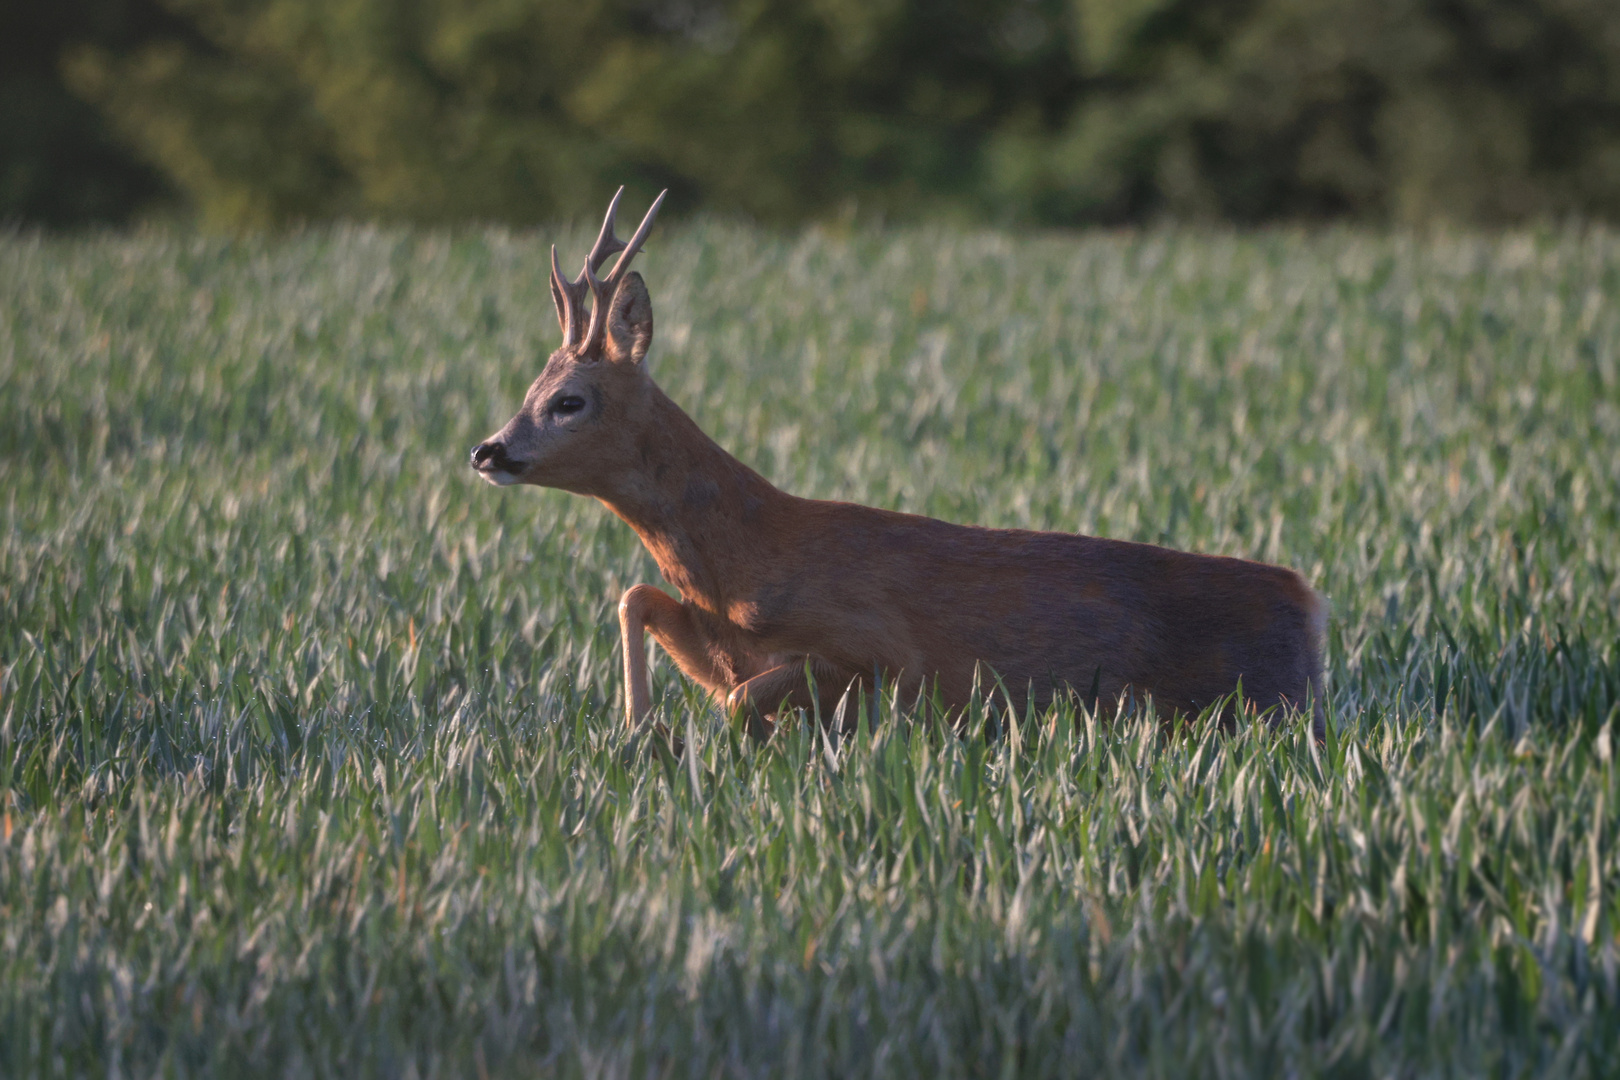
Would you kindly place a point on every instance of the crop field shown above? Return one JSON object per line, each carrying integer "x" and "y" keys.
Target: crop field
{"x": 312, "y": 758}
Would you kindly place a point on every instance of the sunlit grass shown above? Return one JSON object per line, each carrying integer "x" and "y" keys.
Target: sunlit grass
{"x": 310, "y": 749}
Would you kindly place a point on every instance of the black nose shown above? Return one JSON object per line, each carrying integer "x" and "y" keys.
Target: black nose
{"x": 488, "y": 451}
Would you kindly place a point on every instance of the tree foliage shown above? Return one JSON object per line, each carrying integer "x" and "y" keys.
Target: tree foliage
{"x": 1480, "y": 110}
{"x": 59, "y": 163}
{"x": 1046, "y": 111}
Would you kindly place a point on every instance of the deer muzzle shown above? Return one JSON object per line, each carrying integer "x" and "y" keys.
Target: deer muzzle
{"x": 489, "y": 460}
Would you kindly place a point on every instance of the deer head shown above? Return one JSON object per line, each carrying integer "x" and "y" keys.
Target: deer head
{"x": 577, "y": 426}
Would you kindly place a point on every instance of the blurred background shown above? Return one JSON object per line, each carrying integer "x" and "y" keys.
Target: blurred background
{"x": 258, "y": 113}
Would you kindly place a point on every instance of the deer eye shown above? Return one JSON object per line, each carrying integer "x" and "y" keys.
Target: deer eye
{"x": 568, "y": 406}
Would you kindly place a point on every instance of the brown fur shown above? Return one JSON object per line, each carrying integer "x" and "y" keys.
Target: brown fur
{"x": 769, "y": 581}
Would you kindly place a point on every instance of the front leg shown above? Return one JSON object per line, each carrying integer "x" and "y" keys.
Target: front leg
{"x": 644, "y": 607}
{"x": 787, "y": 685}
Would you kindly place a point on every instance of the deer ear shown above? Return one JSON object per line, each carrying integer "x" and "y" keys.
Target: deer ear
{"x": 629, "y": 322}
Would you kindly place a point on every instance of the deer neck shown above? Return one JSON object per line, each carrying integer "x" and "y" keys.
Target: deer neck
{"x": 702, "y": 514}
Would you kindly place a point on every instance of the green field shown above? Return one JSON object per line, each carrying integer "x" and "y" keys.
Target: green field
{"x": 311, "y": 758}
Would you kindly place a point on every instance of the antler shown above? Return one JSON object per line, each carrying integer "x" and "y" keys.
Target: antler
{"x": 569, "y": 293}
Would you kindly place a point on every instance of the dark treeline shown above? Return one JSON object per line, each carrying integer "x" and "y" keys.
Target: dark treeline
{"x": 1064, "y": 112}
{"x": 59, "y": 162}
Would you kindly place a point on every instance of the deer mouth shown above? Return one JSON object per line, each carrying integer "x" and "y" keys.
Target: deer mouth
{"x": 498, "y": 477}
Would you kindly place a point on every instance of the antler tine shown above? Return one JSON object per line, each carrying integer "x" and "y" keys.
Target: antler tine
{"x": 636, "y": 240}
{"x": 568, "y": 295}
{"x": 606, "y": 242}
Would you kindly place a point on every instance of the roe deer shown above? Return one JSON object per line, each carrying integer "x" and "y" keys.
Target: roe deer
{"x": 775, "y": 588}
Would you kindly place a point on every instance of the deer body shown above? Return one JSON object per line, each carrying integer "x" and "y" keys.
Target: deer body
{"x": 772, "y": 585}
